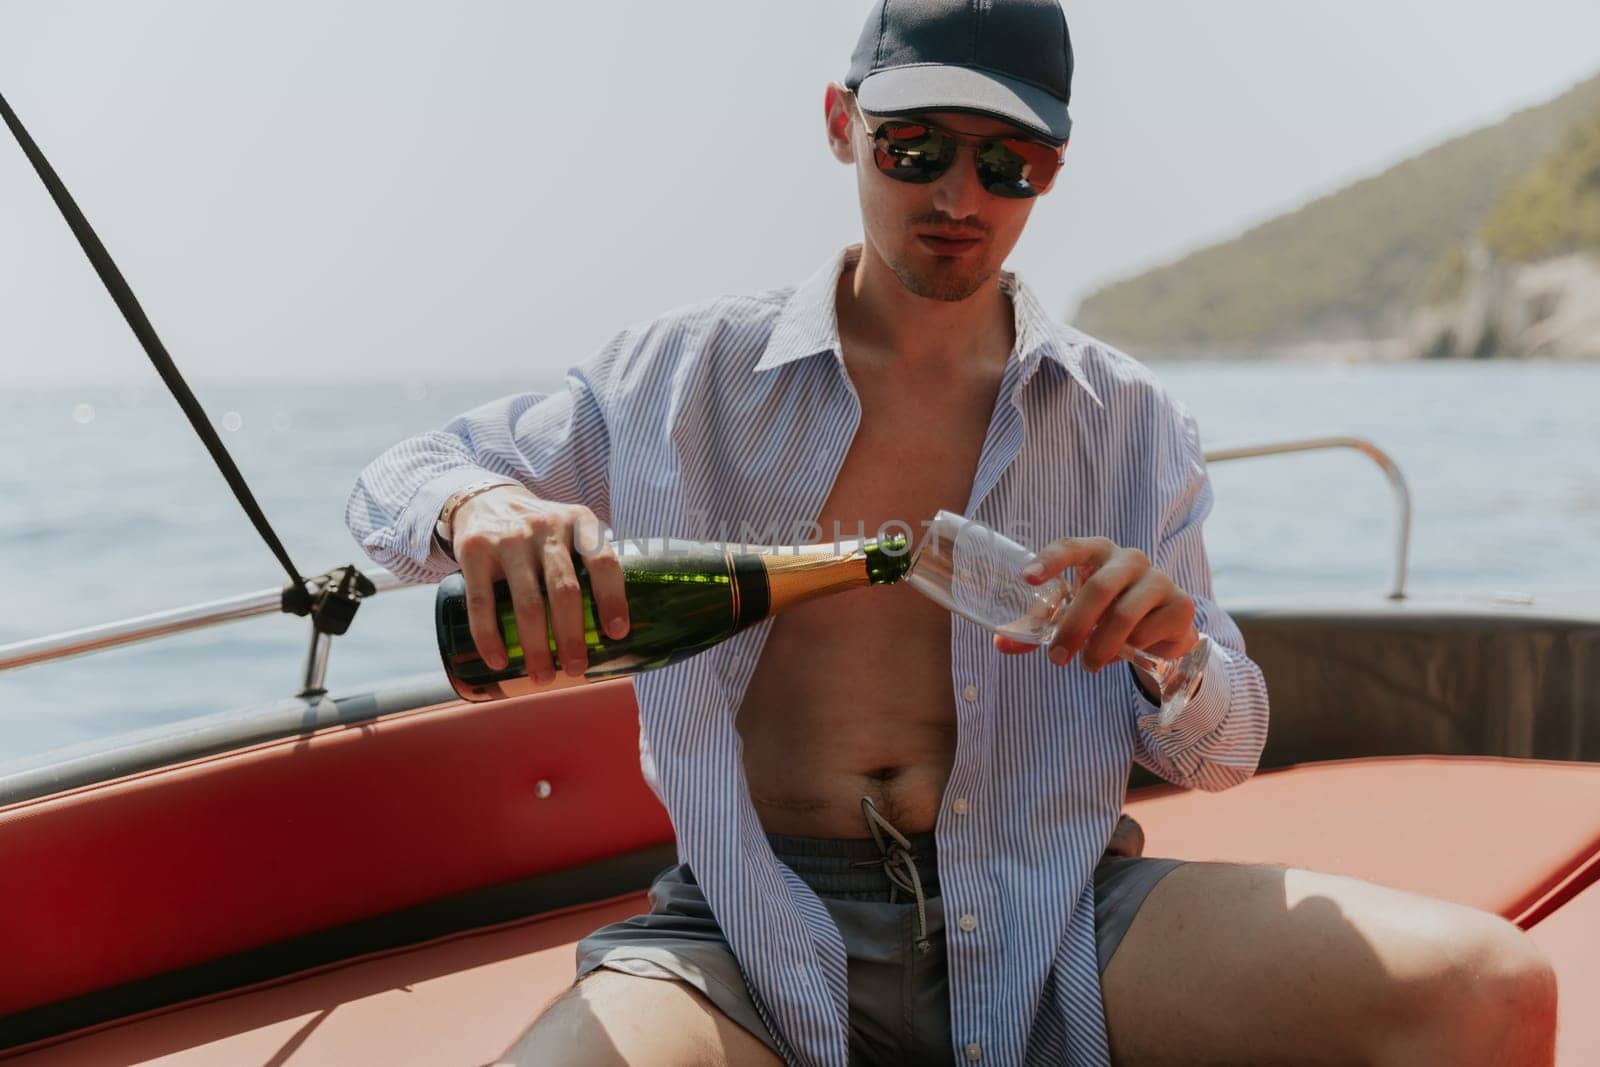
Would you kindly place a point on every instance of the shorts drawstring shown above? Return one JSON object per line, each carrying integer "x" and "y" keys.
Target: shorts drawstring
{"x": 899, "y": 866}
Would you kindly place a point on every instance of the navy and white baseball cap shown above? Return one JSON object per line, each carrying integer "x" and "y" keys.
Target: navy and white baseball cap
{"x": 1009, "y": 59}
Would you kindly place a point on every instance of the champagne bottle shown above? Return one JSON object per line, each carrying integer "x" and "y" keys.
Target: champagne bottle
{"x": 683, "y": 598}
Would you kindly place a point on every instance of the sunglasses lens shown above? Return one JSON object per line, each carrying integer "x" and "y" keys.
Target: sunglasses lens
{"x": 912, "y": 152}
{"x": 1016, "y": 169}
{"x": 1008, "y": 167}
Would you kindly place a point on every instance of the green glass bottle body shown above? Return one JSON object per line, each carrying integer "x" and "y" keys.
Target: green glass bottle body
{"x": 683, "y": 598}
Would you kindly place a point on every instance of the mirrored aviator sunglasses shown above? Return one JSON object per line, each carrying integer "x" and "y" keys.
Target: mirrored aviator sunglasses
{"x": 920, "y": 152}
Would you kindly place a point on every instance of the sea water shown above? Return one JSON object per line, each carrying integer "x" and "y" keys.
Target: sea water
{"x": 111, "y": 508}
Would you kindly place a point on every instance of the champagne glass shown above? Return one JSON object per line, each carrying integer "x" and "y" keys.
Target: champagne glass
{"x": 977, "y": 573}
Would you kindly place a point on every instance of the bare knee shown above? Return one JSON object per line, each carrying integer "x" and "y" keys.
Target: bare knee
{"x": 610, "y": 1019}
{"x": 1516, "y": 987}
{"x": 1492, "y": 1001}
{"x": 1501, "y": 973}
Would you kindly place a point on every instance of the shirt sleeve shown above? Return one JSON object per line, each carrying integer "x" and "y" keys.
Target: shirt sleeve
{"x": 557, "y": 444}
{"x": 1216, "y": 741}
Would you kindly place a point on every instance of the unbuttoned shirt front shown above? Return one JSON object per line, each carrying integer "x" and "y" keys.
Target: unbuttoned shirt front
{"x": 737, "y": 413}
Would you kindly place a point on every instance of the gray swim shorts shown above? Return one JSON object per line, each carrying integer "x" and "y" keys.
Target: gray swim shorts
{"x": 899, "y": 999}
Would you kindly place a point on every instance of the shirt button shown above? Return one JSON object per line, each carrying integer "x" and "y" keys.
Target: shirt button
{"x": 974, "y": 1051}
{"x": 959, "y": 805}
{"x": 968, "y": 923}
{"x": 970, "y": 693}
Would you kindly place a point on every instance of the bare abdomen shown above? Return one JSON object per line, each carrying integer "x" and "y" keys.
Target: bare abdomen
{"x": 851, "y": 698}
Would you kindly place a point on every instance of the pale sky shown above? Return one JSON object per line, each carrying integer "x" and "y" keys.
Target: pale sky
{"x": 399, "y": 190}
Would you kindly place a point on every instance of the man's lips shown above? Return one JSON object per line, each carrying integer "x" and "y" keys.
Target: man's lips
{"x": 949, "y": 242}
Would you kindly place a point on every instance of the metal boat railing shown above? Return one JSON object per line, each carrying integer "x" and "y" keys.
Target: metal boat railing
{"x": 269, "y": 601}
{"x": 1391, "y": 470}
{"x": 181, "y": 620}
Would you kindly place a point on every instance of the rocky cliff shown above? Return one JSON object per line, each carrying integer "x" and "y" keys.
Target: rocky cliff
{"x": 1548, "y": 309}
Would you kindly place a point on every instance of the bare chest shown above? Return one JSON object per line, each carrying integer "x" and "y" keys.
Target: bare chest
{"x": 852, "y": 692}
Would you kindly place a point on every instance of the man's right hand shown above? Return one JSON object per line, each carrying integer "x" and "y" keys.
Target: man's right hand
{"x": 510, "y": 533}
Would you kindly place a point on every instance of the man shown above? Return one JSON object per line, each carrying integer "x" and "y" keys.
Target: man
{"x": 892, "y": 825}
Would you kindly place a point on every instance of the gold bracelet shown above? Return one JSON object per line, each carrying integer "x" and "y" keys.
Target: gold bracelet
{"x": 442, "y": 529}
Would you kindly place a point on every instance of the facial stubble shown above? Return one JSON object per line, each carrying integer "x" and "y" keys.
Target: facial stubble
{"x": 942, "y": 281}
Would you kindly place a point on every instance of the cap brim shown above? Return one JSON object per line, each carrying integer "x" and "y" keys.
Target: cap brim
{"x": 931, "y": 87}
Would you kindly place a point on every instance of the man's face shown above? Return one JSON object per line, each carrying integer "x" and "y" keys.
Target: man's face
{"x": 901, "y": 219}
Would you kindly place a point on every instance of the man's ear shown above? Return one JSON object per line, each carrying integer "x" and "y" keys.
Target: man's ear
{"x": 838, "y": 109}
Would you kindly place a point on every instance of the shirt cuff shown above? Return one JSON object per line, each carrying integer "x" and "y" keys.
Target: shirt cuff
{"x": 422, "y": 514}
{"x": 1201, "y": 715}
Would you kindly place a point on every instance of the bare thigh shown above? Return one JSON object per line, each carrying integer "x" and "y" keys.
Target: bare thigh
{"x": 1232, "y": 964}
{"x": 611, "y": 1019}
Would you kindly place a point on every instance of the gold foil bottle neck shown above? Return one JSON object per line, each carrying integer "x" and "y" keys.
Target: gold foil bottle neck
{"x": 797, "y": 573}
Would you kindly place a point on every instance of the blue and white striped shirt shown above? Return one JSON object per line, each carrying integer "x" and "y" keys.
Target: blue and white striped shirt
{"x": 740, "y": 410}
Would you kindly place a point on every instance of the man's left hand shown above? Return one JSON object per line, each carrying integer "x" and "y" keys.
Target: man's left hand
{"x": 1121, "y": 600}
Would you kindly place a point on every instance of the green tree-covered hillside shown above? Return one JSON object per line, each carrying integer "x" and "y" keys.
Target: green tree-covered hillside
{"x": 1356, "y": 263}
{"x": 1554, "y": 209}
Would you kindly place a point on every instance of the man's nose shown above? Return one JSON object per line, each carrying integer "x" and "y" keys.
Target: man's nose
{"x": 958, "y": 193}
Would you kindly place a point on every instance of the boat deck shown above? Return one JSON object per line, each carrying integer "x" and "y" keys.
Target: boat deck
{"x": 1517, "y": 837}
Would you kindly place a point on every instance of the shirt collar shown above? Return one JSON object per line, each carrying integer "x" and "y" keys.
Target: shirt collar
{"x": 809, "y": 321}
{"x": 809, "y": 324}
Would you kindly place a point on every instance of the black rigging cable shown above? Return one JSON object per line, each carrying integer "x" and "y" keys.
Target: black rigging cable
{"x": 338, "y": 592}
